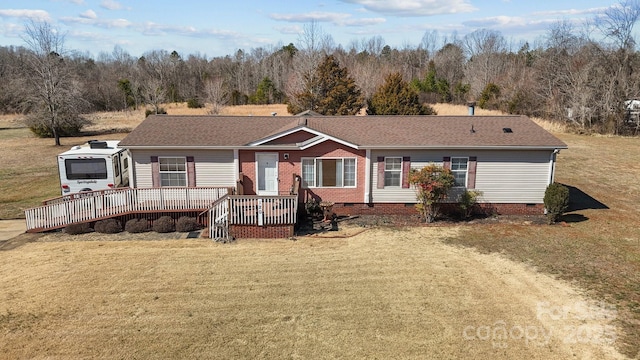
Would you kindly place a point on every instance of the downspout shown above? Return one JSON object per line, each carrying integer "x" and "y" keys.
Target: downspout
{"x": 552, "y": 166}
{"x": 131, "y": 170}
{"x": 367, "y": 177}
{"x": 236, "y": 167}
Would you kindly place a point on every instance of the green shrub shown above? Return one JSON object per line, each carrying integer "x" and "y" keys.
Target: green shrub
{"x": 78, "y": 228}
{"x": 556, "y": 201}
{"x": 71, "y": 126}
{"x": 194, "y": 103}
{"x": 186, "y": 224}
{"x": 151, "y": 111}
{"x": 468, "y": 201}
{"x": 164, "y": 224}
{"x": 135, "y": 226}
{"x": 108, "y": 226}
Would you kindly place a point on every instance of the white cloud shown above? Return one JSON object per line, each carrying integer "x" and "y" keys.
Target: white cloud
{"x": 37, "y": 15}
{"x": 111, "y": 5}
{"x": 569, "y": 12}
{"x": 103, "y": 23}
{"x": 11, "y": 30}
{"x": 295, "y": 29}
{"x": 340, "y": 19}
{"x": 500, "y": 21}
{"x": 407, "y": 8}
{"x": 89, "y": 14}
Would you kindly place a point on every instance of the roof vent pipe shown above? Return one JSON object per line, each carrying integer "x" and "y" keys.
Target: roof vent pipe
{"x": 472, "y": 107}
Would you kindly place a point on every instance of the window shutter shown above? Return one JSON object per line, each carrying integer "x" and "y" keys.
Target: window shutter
{"x": 191, "y": 172}
{"x": 446, "y": 162}
{"x": 155, "y": 172}
{"x": 406, "y": 167}
{"x": 380, "y": 172}
{"x": 471, "y": 172}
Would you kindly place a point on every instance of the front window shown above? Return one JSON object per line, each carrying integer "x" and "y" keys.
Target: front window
{"x": 79, "y": 169}
{"x": 459, "y": 170}
{"x": 173, "y": 171}
{"x": 392, "y": 171}
{"x": 324, "y": 172}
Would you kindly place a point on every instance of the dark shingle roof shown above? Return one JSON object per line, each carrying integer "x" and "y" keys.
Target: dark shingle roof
{"x": 362, "y": 131}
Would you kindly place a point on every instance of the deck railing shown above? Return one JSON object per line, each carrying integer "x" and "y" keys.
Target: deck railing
{"x": 251, "y": 210}
{"x": 68, "y": 210}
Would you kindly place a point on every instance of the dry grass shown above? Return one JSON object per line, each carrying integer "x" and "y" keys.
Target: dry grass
{"x": 599, "y": 245}
{"x": 451, "y": 109}
{"x": 386, "y": 293}
{"x": 127, "y": 120}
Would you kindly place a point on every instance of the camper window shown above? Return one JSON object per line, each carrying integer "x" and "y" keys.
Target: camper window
{"x": 78, "y": 169}
{"x": 117, "y": 163}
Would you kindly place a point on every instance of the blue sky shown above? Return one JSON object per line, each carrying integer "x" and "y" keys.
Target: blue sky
{"x": 218, "y": 28}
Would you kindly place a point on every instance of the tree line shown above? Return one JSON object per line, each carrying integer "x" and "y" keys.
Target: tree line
{"x": 580, "y": 76}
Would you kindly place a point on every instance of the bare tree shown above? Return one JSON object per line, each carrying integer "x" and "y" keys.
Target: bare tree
{"x": 617, "y": 25}
{"x": 154, "y": 94}
{"x": 430, "y": 42}
{"x": 618, "y": 22}
{"x": 55, "y": 98}
{"x": 216, "y": 95}
{"x": 484, "y": 49}
{"x": 313, "y": 45}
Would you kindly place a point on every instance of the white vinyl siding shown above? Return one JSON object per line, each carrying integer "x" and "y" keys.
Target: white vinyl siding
{"x": 212, "y": 167}
{"x": 502, "y": 176}
{"x": 520, "y": 177}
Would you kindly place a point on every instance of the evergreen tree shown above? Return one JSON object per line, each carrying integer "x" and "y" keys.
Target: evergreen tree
{"x": 266, "y": 93}
{"x": 330, "y": 91}
{"x": 397, "y": 97}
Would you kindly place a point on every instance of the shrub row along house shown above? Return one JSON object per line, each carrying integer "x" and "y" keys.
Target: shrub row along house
{"x": 360, "y": 163}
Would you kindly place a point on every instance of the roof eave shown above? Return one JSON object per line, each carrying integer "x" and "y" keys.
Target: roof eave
{"x": 464, "y": 147}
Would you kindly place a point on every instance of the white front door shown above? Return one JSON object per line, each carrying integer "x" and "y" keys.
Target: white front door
{"x": 267, "y": 173}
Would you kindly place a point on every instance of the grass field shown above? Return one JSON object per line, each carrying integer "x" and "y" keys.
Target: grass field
{"x": 597, "y": 249}
{"x": 384, "y": 293}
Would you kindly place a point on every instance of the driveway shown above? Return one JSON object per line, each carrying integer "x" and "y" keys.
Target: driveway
{"x": 11, "y": 228}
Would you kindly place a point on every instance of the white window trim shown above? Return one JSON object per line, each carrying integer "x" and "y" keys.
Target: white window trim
{"x": 186, "y": 172}
{"x": 315, "y": 172}
{"x": 399, "y": 186}
{"x": 466, "y": 172}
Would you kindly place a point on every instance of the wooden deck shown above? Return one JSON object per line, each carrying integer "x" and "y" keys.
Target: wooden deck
{"x": 251, "y": 210}
{"x": 223, "y": 208}
{"x": 86, "y": 207}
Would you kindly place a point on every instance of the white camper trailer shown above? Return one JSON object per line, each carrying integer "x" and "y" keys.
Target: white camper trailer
{"x": 96, "y": 165}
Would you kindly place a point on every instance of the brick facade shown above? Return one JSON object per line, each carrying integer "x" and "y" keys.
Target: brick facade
{"x": 409, "y": 209}
{"x": 261, "y": 232}
{"x": 293, "y": 165}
